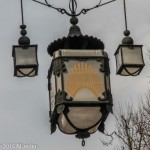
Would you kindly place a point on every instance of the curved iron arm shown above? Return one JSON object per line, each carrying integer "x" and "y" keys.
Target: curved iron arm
{"x": 73, "y": 7}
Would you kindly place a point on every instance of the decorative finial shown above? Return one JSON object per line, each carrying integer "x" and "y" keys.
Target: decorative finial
{"x": 74, "y": 29}
{"x": 127, "y": 39}
{"x": 23, "y": 40}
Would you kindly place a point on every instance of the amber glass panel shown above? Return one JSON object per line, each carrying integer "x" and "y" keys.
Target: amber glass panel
{"x": 84, "y": 81}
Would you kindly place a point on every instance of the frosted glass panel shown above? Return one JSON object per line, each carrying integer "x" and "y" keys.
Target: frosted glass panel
{"x": 132, "y": 55}
{"x": 81, "y": 117}
{"x": 64, "y": 125}
{"x": 84, "y": 117}
{"x": 118, "y": 60}
{"x": 26, "y": 71}
{"x": 59, "y": 83}
{"x": 25, "y": 56}
{"x": 133, "y": 71}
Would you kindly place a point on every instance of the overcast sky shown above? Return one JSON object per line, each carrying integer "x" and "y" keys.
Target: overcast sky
{"x": 24, "y": 102}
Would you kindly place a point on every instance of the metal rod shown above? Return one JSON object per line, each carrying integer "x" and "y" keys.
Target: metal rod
{"x": 107, "y": 3}
{"x": 125, "y": 15}
{"x": 22, "y": 16}
{"x": 40, "y": 3}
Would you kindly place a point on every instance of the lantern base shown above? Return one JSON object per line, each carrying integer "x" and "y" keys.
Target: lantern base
{"x": 130, "y": 70}
{"x": 82, "y": 135}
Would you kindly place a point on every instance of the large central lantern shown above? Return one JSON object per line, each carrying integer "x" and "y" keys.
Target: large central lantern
{"x": 80, "y": 72}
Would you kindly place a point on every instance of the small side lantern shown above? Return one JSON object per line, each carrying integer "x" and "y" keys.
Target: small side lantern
{"x": 129, "y": 57}
{"x": 83, "y": 97}
{"x": 25, "y": 56}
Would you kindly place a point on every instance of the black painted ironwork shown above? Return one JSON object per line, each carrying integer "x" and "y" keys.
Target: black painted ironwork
{"x": 73, "y": 7}
{"x": 76, "y": 42}
{"x": 125, "y": 15}
{"x": 59, "y": 66}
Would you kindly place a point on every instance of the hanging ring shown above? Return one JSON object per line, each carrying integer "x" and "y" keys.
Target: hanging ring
{"x": 83, "y": 142}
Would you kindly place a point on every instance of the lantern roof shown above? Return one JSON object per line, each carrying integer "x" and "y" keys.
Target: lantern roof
{"x": 76, "y": 42}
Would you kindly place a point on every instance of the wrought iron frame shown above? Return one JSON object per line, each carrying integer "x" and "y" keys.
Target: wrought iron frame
{"x": 73, "y": 7}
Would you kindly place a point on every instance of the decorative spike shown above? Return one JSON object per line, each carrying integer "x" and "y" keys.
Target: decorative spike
{"x": 23, "y": 40}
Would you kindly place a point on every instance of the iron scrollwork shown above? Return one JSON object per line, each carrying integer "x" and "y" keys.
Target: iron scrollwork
{"x": 59, "y": 98}
{"x": 62, "y": 96}
{"x": 59, "y": 66}
{"x": 107, "y": 96}
{"x": 104, "y": 66}
{"x": 73, "y": 7}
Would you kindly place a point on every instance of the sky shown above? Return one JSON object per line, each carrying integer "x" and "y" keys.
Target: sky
{"x": 24, "y": 102}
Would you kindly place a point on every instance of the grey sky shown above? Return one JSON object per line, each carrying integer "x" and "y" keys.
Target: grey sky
{"x": 24, "y": 102}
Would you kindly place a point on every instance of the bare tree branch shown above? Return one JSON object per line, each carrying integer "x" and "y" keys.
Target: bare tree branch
{"x": 133, "y": 127}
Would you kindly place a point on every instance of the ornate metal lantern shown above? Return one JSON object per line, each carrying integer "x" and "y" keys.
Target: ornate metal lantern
{"x": 129, "y": 57}
{"x": 25, "y": 57}
{"x": 25, "y": 61}
{"x": 24, "y": 54}
{"x": 82, "y": 85}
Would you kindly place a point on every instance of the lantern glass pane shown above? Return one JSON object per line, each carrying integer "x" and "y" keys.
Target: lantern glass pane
{"x": 130, "y": 70}
{"x": 58, "y": 83}
{"x": 64, "y": 125}
{"x": 134, "y": 71}
{"x": 84, "y": 117}
{"x": 132, "y": 55}
{"x": 94, "y": 129}
{"x": 26, "y": 71}
{"x": 81, "y": 117}
{"x": 118, "y": 59}
{"x": 83, "y": 80}
{"x": 52, "y": 93}
{"x": 26, "y": 56}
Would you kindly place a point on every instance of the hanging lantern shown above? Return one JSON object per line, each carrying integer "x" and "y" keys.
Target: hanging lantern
{"x": 129, "y": 57}
{"x": 80, "y": 74}
{"x": 25, "y": 57}
{"x": 83, "y": 97}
